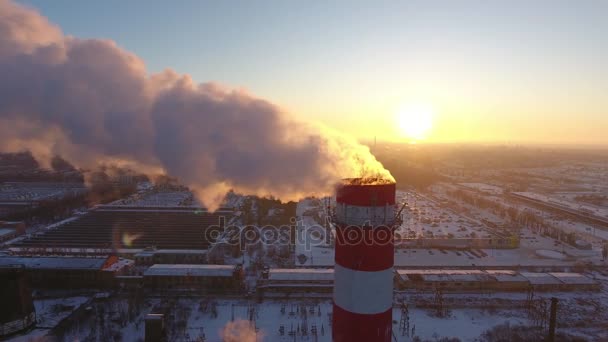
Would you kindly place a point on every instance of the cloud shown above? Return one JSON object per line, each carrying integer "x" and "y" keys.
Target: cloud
{"x": 92, "y": 101}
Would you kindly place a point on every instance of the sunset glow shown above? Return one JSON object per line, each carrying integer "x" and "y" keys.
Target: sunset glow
{"x": 416, "y": 121}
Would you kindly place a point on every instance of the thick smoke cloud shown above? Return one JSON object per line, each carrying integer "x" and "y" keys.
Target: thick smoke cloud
{"x": 92, "y": 102}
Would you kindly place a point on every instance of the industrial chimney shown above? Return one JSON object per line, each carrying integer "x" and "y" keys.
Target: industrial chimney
{"x": 363, "y": 285}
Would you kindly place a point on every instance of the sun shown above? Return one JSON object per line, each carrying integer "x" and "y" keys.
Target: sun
{"x": 415, "y": 121}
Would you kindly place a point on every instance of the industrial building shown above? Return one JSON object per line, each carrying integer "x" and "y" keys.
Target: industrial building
{"x": 321, "y": 280}
{"x": 17, "y": 312}
{"x": 124, "y": 227}
{"x": 151, "y": 256}
{"x": 17, "y": 197}
{"x": 68, "y": 272}
{"x": 298, "y": 280}
{"x": 211, "y": 278}
{"x": 492, "y": 280}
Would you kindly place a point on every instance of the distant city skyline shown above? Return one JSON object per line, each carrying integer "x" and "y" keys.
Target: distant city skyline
{"x": 491, "y": 71}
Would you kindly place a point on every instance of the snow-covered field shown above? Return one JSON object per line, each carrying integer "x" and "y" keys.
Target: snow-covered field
{"x": 308, "y": 253}
{"x": 189, "y": 321}
{"x": 192, "y": 318}
{"x": 49, "y": 312}
{"x": 424, "y": 217}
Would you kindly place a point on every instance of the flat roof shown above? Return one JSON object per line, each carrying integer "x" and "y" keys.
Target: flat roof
{"x": 6, "y": 231}
{"x": 55, "y": 263}
{"x": 172, "y": 251}
{"x": 471, "y": 277}
{"x": 193, "y": 270}
{"x": 463, "y": 275}
{"x": 421, "y": 272}
{"x": 506, "y": 276}
{"x": 540, "y": 278}
{"x": 298, "y": 285}
{"x": 441, "y": 272}
{"x": 436, "y": 277}
{"x": 301, "y": 274}
{"x": 573, "y": 278}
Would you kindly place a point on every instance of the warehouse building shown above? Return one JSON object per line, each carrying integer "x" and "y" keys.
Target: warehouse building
{"x": 492, "y": 280}
{"x": 298, "y": 280}
{"x": 211, "y": 278}
{"x": 69, "y": 272}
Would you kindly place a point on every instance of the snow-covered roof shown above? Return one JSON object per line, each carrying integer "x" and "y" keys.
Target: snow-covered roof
{"x": 421, "y": 272}
{"x": 171, "y": 251}
{"x": 463, "y": 275}
{"x": 301, "y": 274}
{"x": 193, "y": 270}
{"x": 540, "y": 278}
{"x": 144, "y": 254}
{"x": 437, "y": 277}
{"x": 58, "y": 263}
{"x": 572, "y": 278}
{"x": 304, "y": 284}
{"x": 470, "y": 277}
{"x": 6, "y": 231}
{"x": 506, "y": 276}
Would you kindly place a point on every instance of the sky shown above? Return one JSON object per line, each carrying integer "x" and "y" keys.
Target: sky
{"x": 485, "y": 71}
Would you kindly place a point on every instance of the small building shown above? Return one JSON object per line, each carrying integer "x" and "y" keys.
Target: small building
{"x": 212, "y": 278}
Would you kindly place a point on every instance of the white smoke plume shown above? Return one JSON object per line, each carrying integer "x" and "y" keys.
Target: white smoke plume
{"x": 240, "y": 331}
{"x": 92, "y": 102}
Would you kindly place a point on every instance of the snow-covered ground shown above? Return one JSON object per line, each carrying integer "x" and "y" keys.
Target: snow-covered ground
{"x": 309, "y": 253}
{"x": 483, "y": 187}
{"x": 468, "y": 316}
{"x": 49, "y": 312}
{"x": 565, "y": 202}
{"x": 264, "y": 320}
{"x": 424, "y": 217}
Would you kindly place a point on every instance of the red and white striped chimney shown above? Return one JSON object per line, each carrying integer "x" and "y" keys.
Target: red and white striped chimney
{"x": 363, "y": 283}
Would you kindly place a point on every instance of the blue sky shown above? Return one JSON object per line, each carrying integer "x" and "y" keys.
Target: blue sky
{"x": 493, "y": 70}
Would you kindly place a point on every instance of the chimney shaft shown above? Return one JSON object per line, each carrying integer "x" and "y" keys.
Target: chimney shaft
{"x": 363, "y": 285}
